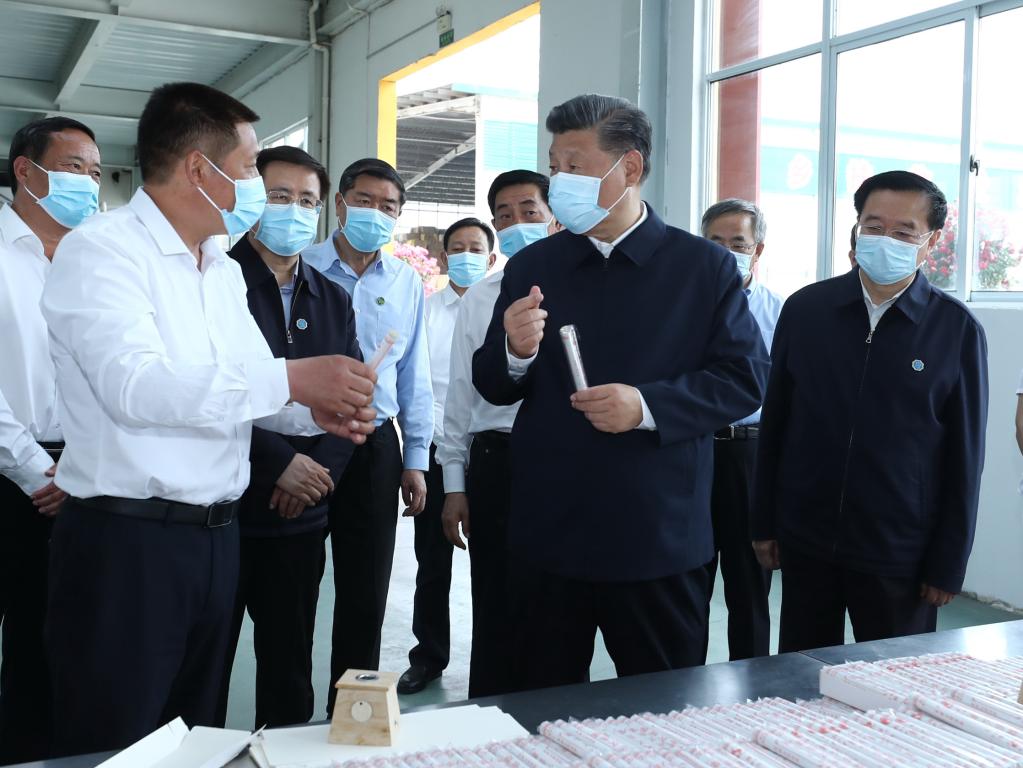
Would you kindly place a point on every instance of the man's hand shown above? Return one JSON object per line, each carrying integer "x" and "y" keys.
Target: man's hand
{"x": 339, "y": 392}
{"x": 287, "y": 506}
{"x": 49, "y": 498}
{"x": 524, "y": 322}
{"x": 934, "y": 596}
{"x": 413, "y": 492}
{"x": 455, "y": 513}
{"x": 610, "y": 408}
{"x": 767, "y": 554}
{"x": 305, "y": 480}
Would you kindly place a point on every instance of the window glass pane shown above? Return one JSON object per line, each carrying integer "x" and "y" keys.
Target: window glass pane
{"x": 765, "y": 150}
{"x": 749, "y": 29}
{"x": 912, "y": 122}
{"x": 860, "y": 14}
{"x": 998, "y": 222}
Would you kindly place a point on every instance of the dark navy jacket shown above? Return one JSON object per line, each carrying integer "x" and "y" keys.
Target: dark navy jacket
{"x": 665, "y": 313}
{"x": 871, "y": 451}
{"x": 329, "y": 328}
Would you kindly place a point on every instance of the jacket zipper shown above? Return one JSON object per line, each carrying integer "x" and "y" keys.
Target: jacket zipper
{"x": 852, "y": 434}
{"x": 294, "y": 301}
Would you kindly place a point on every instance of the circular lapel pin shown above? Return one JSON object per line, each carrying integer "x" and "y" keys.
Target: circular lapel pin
{"x": 918, "y": 365}
{"x": 302, "y": 324}
{"x": 380, "y": 301}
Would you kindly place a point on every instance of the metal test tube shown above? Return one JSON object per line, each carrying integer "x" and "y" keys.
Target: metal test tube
{"x": 570, "y": 339}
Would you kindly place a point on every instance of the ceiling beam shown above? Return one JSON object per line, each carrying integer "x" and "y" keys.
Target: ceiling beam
{"x": 465, "y": 104}
{"x": 268, "y": 61}
{"x": 339, "y": 15}
{"x": 269, "y": 21}
{"x": 82, "y": 55}
{"x": 466, "y": 146}
{"x": 32, "y": 96}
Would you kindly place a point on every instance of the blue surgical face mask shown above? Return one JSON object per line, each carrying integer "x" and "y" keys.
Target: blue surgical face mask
{"x": 744, "y": 261}
{"x": 73, "y": 197}
{"x": 287, "y": 229}
{"x": 465, "y": 269}
{"x": 249, "y": 202}
{"x": 367, "y": 229}
{"x": 885, "y": 259}
{"x": 516, "y": 237}
{"x": 573, "y": 199}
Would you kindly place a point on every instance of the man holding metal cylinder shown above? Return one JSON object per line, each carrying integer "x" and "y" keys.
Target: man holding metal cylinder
{"x": 611, "y": 484}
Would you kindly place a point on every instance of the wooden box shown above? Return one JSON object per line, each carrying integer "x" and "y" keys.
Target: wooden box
{"x": 366, "y": 709}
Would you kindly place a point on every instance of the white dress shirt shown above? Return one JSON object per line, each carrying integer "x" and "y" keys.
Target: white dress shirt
{"x": 765, "y": 306}
{"x": 440, "y": 312}
{"x": 161, "y": 368}
{"x": 876, "y": 311}
{"x": 466, "y": 413}
{"x": 518, "y": 367}
{"x": 28, "y": 384}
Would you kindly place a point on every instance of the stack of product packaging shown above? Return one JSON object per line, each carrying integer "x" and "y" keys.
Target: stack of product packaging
{"x": 930, "y": 711}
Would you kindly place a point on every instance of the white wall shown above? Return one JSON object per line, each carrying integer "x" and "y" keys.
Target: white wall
{"x": 996, "y": 567}
{"x": 286, "y": 99}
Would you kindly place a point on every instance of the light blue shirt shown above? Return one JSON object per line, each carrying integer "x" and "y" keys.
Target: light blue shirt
{"x": 287, "y": 294}
{"x": 765, "y": 305}
{"x": 389, "y": 296}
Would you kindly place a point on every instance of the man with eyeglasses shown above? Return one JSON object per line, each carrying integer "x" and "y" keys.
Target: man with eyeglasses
{"x": 283, "y": 514}
{"x": 54, "y": 175}
{"x": 388, "y": 296}
{"x": 739, "y": 226}
{"x": 872, "y": 436}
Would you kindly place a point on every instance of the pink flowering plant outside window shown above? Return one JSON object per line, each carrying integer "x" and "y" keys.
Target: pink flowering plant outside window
{"x": 420, "y": 260}
{"x": 996, "y": 256}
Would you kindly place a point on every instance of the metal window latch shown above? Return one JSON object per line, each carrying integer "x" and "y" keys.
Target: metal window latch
{"x": 974, "y": 165}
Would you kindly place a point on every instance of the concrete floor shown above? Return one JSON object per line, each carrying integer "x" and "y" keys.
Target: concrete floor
{"x": 453, "y": 686}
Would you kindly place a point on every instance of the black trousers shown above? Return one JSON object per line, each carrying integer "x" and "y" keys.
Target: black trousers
{"x": 363, "y": 516}
{"x": 138, "y": 624}
{"x": 816, "y": 595}
{"x": 747, "y": 585}
{"x": 24, "y": 688}
{"x": 648, "y": 626}
{"x": 431, "y": 619}
{"x": 496, "y": 612}
{"x": 279, "y": 585}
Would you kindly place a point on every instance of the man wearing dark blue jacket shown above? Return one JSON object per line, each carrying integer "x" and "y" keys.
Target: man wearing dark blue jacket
{"x": 283, "y": 514}
{"x": 610, "y": 515}
{"x": 872, "y": 435}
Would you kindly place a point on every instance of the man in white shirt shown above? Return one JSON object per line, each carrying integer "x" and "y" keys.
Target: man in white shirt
{"x": 518, "y": 203}
{"x": 468, "y": 254}
{"x": 47, "y": 157}
{"x": 162, "y": 372}
{"x": 739, "y": 226}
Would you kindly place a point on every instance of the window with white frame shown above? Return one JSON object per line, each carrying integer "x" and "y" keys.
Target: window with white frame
{"x": 807, "y": 98}
{"x": 295, "y": 136}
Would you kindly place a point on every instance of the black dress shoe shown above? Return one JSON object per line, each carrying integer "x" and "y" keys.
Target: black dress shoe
{"x": 416, "y": 678}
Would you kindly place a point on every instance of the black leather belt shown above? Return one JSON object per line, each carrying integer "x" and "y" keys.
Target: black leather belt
{"x": 54, "y": 450}
{"x": 735, "y": 432}
{"x": 162, "y": 510}
{"x": 493, "y": 437}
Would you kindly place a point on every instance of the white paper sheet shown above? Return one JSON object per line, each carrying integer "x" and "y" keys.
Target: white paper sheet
{"x": 467, "y": 726}
{"x": 152, "y": 749}
{"x": 207, "y": 748}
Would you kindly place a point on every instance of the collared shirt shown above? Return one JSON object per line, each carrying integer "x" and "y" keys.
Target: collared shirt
{"x": 765, "y": 306}
{"x": 441, "y": 311}
{"x": 389, "y": 296}
{"x": 876, "y": 311}
{"x": 28, "y": 385}
{"x": 287, "y": 294}
{"x": 160, "y": 367}
{"x": 518, "y": 367}
{"x": 466, "y": 413}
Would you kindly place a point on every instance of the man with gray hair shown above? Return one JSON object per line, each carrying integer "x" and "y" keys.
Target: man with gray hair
{"x": 610, "y": 479}
{"x": 739, "y": 226}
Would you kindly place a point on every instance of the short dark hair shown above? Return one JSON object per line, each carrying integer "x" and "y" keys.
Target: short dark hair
{"x": 511, "y": 179}
{"x": 33, "y": 139}
{"x": 465, "y": 224}
{"x": 905, "y": 181}
{"x": 294, "y": 156}
{"x": 736, "y": 205}
{"x": 181, "y": 117}
{"x": 371, "y": 166}
{"x": 620, "y": 124}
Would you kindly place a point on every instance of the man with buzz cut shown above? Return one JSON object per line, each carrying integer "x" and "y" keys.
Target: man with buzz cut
{"x": 162, "y": 371}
